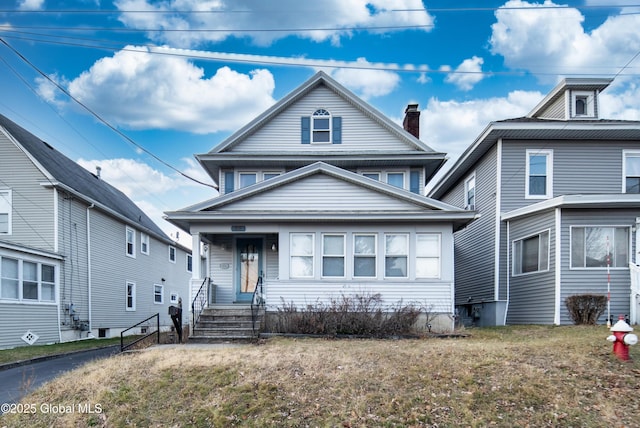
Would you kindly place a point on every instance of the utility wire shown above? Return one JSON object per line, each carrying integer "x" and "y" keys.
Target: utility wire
{"x": 99, "y": 118}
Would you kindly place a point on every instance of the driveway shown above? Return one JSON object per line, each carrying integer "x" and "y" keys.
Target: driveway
{"x": 19, "y": 381}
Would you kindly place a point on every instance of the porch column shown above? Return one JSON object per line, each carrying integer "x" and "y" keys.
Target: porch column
{"x": 196, "y": 258}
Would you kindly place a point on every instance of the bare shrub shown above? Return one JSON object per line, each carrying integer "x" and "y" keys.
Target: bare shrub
{"x": 359, "y": 314}
{"x": 586, "y": 308}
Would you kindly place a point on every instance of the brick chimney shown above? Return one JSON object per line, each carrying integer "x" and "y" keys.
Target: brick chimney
{"x": 411, "y": 122}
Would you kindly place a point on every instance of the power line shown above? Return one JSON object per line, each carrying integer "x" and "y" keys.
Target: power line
{"x": 100, "y": 118}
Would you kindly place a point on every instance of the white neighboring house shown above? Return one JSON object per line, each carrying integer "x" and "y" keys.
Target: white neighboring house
{"x": 323, "y": 195}
{"x": 77, "y": 257}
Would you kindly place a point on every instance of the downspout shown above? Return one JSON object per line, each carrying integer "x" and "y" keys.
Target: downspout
{"x": 56, "y": 249}
{"x": 89, "y": 263}
{"x": 506, "y": 308}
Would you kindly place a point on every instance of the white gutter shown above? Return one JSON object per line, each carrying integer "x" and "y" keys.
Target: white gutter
{"x": 498, "y": 220}
{"x": 89, "y": 262}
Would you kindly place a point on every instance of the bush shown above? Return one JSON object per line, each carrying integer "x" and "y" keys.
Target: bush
{"x": 586, "y": 308}
{"x": 361, "y": 315}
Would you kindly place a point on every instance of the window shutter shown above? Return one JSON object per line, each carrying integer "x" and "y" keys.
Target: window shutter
{"x": 337, "y": 130}
{"x": 228, "y": 182}
{"x": 305, "y": 126}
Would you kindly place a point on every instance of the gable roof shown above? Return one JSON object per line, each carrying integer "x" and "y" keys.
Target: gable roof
{"x": 425, "y": 208}
{"x": 579, "y": 83}
{"x": 222, "y": 155}
{"x": 64, "y": 173}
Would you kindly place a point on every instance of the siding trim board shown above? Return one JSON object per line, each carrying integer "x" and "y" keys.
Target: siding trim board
{"x": 558, "y": 266}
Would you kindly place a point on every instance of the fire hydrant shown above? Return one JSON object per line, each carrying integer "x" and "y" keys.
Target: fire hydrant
{"x": 622, "y": 338}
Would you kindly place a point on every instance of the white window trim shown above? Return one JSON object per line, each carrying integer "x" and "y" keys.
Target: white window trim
{"x": 144, "y": 238}
{"x": 133, "y": 242}
{"x": 625, "y": 154}
{"x": 513, "y": 254}
{"x": 590, "y": 107}
{"x": 39, "y": 301}
{"x": 344, "y": 255}
{"x": 374, "y": 255}
{"x": 9, "y": 201}
{"x": 330, "y": 130}
{"x": 239, "y": 178}
{"x": 467, "y": 206}
{"x": 407, "y": 255}
{"x": 173, "y": 297}
{"x": 161, "y": 302}
{"x": 276, "y": 173}
{"x": 439, "y": 257}
{"x": 549, "y": 170}
{"x": 602, "y": 226}
{"x": 313, "y": 254}
{"x": 133, "y": 296}
{"x": 175, "y": 253}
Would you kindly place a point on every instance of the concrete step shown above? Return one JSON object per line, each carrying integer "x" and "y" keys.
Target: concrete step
{"x": 226, "y": 323}
{"x": 198, "y": 331}
{"x": 222, "y": 339}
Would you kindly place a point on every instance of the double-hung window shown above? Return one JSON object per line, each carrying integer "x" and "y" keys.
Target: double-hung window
{"x": 396, "y": 179}
{"x": 9, "y": 279}
{"x": 144, "y": 243}
{"x": 246, "y": 179}
{"x": 631, "y": 168}
{"x": 539, "y": 177}
{"x": 428, "y": 255}
{"x": 302, "y": 255}
{"x": 131, "y": 242}
{"x": 531, "y": 254}
{"x": 470, "y": 193}
{"x": 364, "y": 255}
{"x": 333, "y": 255}
{"x": 172, "y": 254}
{"x": 321, "y": 123}
{"x": 396, "y": 255}
{"x": 599, "y": 247}
{"x": 158, "y": 294}
{"x": 5, "y": 212}
{"x": 130, "y": 296}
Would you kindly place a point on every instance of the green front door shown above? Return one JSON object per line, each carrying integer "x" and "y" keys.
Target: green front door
{"x": 249, "y": 266}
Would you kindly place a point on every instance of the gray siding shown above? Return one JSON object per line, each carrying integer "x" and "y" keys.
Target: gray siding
{"x": 588, "y": 167}
{"x": 112, "y": 268}
{"x": 580, "y": 281}
{"x": 33, "y": 205}
{"x": 475, "y": 244}
{"x": 359, "y": 132}
{"x": 320, "y": 192}
{"x": 532, "y": 296}
{"x": 557, "y": 110}
{"x": 42, "y": 320}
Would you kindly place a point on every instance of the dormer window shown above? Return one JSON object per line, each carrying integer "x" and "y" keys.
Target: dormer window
{"x": 321, "y": 121}
{"x": 583, "y": 104}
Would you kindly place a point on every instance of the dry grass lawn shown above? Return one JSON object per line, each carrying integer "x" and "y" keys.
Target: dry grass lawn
{"x": 535, "y": 376}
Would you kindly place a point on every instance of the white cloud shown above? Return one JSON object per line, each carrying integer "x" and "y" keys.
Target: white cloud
{"x": 451, "y": 126}
{"x": 366, "y": 83}
{"x": 318, "y": 21}
{"x": 553, "y": 40}
{"x": 31, "y": 5}
{"x": 139, "y": 90}
{"x": 467, "y": 74}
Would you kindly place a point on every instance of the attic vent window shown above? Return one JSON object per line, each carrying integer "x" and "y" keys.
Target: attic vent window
{"x": 583, "y": 104}
{"x": 321, "y": 128}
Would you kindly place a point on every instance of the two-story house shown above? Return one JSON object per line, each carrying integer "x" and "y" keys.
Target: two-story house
{"x": 558, "y": 193}
{"x": 322, "y": 195}
{"x": 77, "y": 256}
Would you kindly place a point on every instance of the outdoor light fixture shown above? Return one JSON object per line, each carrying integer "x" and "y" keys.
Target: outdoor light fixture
{"x": 274, "y": 247}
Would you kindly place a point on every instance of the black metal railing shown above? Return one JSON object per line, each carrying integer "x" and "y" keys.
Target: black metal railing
{"x": 139, "y": 339}
{"x": 257, "y": 302}
{"x": 200, "y": 301}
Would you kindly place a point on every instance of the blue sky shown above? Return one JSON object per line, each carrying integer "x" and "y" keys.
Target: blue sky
{"x": 176, "y": 77}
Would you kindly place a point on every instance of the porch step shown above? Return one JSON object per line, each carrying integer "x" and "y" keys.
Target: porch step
{"x": 225, "y": 323}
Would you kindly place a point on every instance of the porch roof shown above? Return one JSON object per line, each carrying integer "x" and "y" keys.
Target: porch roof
{"x": 624, "y": 200}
